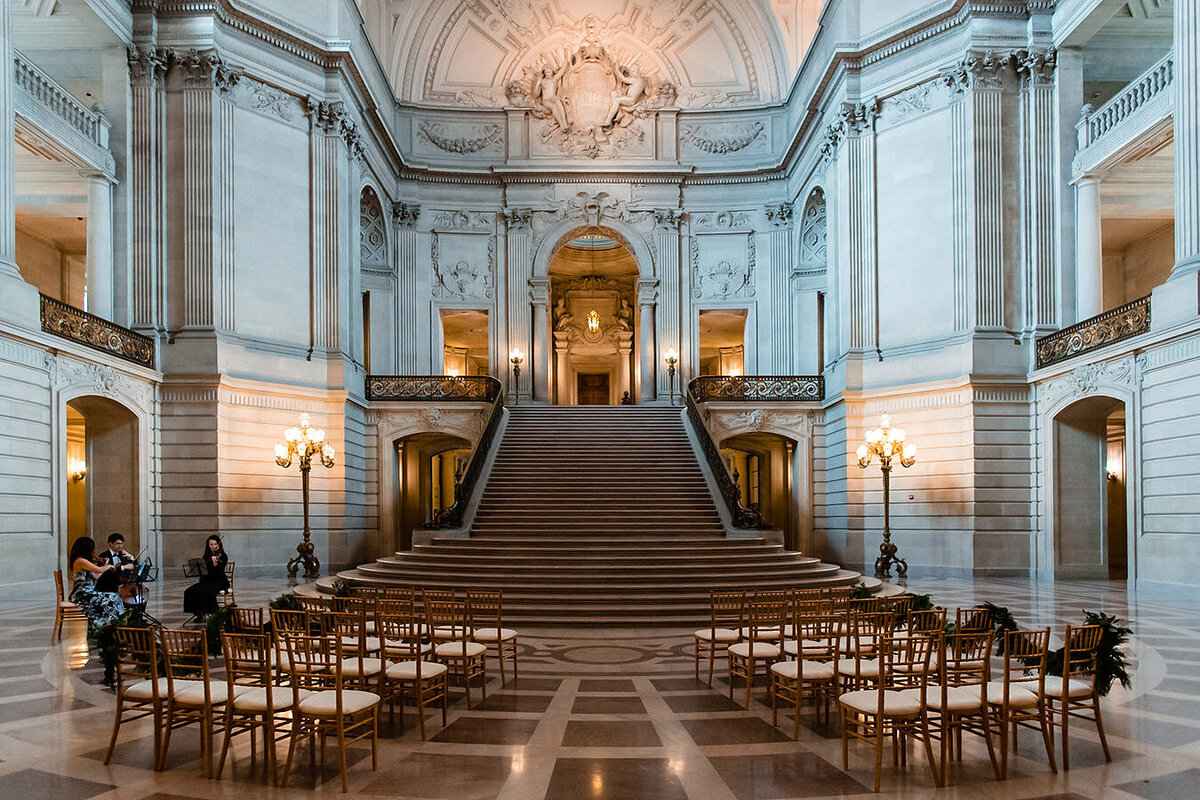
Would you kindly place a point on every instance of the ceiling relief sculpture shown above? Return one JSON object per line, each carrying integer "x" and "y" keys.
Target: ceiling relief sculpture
{"x": 591, "y": 67}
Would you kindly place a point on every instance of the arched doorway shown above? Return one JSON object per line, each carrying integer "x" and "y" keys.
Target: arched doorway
{"x": 1090, "y": 533}
{"x": 427, "y": 468}
{"x": 762, "y": 466}
{"x": 593, "y": 297}
{"x": 102, "y": 471}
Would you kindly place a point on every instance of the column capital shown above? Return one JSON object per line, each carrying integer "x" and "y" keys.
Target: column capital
{"x": 539, "y": 292}
{"x": 405, "y": 214}
{"x": 518, "y": 218}
{"x": 205, "y": 69}
{"x": 647, "y": 292}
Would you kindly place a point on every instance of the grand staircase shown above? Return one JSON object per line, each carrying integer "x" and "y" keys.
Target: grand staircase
{"x": 599, "y": 515}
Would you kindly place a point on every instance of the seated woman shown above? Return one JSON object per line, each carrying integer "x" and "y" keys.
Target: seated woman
{"x": 200, "y": 599}
{"x": 100, "y": 608}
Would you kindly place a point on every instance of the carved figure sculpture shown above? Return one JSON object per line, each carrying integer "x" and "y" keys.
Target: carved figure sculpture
{"x": 545, "y": 93}
{"x": 625, "y": 316}
{"x": 562, "y": 317}
{"x": 632, "y": 77}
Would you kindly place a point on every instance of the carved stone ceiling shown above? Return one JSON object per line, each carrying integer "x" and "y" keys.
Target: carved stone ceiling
{"x": 715, "y": 53}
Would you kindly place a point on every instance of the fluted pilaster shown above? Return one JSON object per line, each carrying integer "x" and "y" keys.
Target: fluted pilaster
{"x": 667, "y": 244}
{"x": 519, "y": 266}
{"x": 408, "y": 328}
{"x": 1187, "y": 137}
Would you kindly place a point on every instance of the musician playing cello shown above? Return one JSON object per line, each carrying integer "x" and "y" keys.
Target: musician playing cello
{"x": 122, "y": 562}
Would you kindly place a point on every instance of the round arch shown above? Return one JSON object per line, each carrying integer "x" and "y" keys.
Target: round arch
{"x": 116, "y": 453}
{"x": 618, "y": 230}
{"x": 1073, "y": 532}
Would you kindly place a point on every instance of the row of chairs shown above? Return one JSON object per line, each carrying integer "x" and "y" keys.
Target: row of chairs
{"x": 322, "y": 671}
{"x": 897, "y": 674}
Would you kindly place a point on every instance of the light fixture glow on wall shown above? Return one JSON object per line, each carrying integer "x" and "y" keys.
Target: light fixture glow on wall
{"x": 672, "y": 358}
{"x": 593, "y": 321}
{"x": 515, "y": 357}
{"x": 78, "y": 470}
{"x": 303, "y": 443}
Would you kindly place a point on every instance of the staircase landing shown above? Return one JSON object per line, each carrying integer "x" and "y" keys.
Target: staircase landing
{"x": 599, "y": 515}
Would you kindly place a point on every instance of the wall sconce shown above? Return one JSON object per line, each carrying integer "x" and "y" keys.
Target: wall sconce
{"x": 453, "y": 372}
{"x": 78, "y": 471}
{"x": 734, "y": 372}
{"x": 593, "y": 321}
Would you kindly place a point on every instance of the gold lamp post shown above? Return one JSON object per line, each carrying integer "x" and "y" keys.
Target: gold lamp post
{"x": 887, "y": 443}
{"x": 515, "y": 358}
{"x": 672, "y": 358}
{"x": 302, "y": 444}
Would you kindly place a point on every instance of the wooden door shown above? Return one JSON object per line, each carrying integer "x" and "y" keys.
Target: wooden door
{"x": 592, "y": 389}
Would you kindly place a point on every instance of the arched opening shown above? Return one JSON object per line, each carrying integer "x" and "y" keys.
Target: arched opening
{"x": 464, "y": 341}
{"x": 378, "y": 285}
{"x": 427, "y": 468}
{"x": 102, "y": 472}
{"x": 1090, "y": 519}
{"x": 722, "y": 341}
{"x": 593, "y": 294}
{"x": 763, "y": 467}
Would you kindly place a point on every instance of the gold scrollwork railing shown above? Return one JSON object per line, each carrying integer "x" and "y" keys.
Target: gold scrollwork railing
{"x": 433, "y": 388}
{"x": 98, "y": 333}
{"x": 1122, "y": 322}
{"x": 767, "y": 388}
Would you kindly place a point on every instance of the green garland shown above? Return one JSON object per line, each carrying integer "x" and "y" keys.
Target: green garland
{"x": 285, "y": 602}
{"x": 103, "y": 639}
{"x": 214, "y": 625}
{"x": 1110, "y": 664}
{"x": 341, "y": 587}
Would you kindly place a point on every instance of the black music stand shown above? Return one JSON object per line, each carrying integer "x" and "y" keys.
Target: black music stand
{"x": 145, "y": 572}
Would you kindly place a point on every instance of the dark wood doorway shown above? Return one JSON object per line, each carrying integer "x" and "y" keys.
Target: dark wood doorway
{"x": 592, "y": 389}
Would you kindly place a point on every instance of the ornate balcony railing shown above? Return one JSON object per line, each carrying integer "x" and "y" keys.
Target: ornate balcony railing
{"x": 433, "y": 388}
{"x": 742, "y": 516}
{"x": 464, "y": 488}
{"x": 1153, "y": 82}
{"x": 1122, "y": 322}
{"x": 757, "y": 388}
{"x": 96, "y": 332}
{"x": 46, "y": 91}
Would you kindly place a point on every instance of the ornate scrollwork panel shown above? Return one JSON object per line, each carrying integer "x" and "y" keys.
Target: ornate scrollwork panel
{"x": 1123, "y": 322}
{"x": 433, "y": 388}
{"x": 783, "y": 388}
{"x": 87, "y": 329}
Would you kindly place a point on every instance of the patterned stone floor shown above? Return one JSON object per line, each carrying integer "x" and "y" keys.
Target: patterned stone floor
{"x": 612, "y": 714}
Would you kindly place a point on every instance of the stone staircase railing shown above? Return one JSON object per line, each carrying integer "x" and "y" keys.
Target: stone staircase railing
{"x": 79, "y": 326}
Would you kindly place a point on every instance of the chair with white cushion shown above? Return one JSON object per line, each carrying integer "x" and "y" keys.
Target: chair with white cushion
{"x": 896, "y": 706}
{"x": 812, "y": 669}
{"x": 362, "y": 667}
{"x": 1074, "y": 694}
{"x": 408, "y": 674}
{"x": 192, "y": 696}
{"x": 139, "y": 687}
{"x": 456, "y": 648}
{"x": 1019, "y": 698}
{"x": 765, "y": 619}
{"x": 331, "y": 709}
{"x": 486, "y": 608}
{"x": 726, "y": 616}
{"x": 256, "y": 700}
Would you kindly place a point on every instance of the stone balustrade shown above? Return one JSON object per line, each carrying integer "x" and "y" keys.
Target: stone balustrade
{"x": 1155, "y": 82}
{"x": 765, "y": 388}
{"x": 45, "y": 91}
{"x": 433, "y": 388}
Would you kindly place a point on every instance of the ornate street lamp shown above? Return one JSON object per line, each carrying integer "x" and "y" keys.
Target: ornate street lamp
{"x": 515, "y": 358}
{"x": 302, "y": 444}
{"x": 887, "y": 443}
{"x": 672, "y": 358}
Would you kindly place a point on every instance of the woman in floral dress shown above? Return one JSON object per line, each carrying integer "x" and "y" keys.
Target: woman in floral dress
{"x": 101, "y": 608}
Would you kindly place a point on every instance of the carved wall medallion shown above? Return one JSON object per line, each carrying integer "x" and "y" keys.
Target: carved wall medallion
{"x": 467, "y": 274}
{"x": 405, "y": 214}
{"x": 720, "y": 221}
{"x": 1089, "y": 379}
{"x": 724, "y": 275}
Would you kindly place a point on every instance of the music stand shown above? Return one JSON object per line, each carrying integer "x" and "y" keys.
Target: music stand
{"x": 145, "y": 572}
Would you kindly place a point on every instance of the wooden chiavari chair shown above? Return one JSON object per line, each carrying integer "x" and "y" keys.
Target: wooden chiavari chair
{"x": 139, "y": 687}
{"x": 457, "y": 649}
{"x": 765, "y": 619}
{"x": 407, "y": 673}
{"x": 726, "y": 617}
{"x": 64, "y": 609}
{"x": 349, "y": 715}
{"x": 486, "y": 609}
{"x": 248, "y": 620}
{"x": 1019, "y": 697}
{"x": 895, "y": 707}
{"x": 362, "y": 667}
{"x": 813, "y": 672}
{"x": 1075, "y": 692}
{"x": 192, "y": 697}
{"x": 973, "y": 620}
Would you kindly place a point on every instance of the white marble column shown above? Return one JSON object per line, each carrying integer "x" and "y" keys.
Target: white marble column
{"x": 99, "y": 245}
{"x": 668, "y": 268}
{"x": 625, "y": 363}
{"x": 647, "y": 296}
{"x": 539, "y": 295}
{"x": 1178, "y": 300}
{"x": 147, "y": 72}
{"x": 1089, "y": 256}
{"x": 1040, "y": 285}
{"x": 779, "y": 265}
{"x": 518, "y": 268}
{"x": 1187, "y": 137}
{"x": 561, "y": 371}
{"x": 18, "y": 300}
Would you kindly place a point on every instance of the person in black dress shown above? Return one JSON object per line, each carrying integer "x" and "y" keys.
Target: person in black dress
{"x": 200, "y": 599}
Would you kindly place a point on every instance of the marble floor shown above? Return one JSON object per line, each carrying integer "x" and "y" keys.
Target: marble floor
{"x": 607, "y": 713}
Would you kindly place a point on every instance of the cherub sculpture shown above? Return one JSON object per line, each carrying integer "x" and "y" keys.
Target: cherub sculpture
{"x": 545, "y": 94}
{"x": 633, "y": 78}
